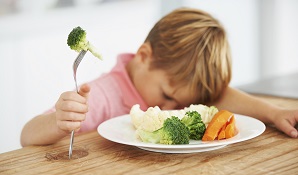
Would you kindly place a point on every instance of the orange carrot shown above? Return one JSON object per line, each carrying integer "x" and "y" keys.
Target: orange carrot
{"x": 222, "y": 133}
{"x": 215, "y": 125}
{"x": 230, "y": 129}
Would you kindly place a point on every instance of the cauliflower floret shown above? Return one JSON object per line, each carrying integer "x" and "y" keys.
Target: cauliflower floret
{"x": 206, "y": 112}
{"x": 178, "y": 113}
{"x": 154, "y": 119}
{"x": 136, "y": 115}
{"x": 150, "y": 120}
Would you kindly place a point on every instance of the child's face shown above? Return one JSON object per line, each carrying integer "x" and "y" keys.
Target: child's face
{"x": 154, "y": 84}
{"x": 154, "y": 87}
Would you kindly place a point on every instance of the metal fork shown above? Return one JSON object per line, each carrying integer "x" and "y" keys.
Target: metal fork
{"x": 76, "y": 64}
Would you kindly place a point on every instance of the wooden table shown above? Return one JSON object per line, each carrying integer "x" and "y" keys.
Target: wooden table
{"x": 270, "y": 153}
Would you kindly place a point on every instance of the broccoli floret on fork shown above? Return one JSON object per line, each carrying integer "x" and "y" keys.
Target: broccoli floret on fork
{"x": 77, "y": 41}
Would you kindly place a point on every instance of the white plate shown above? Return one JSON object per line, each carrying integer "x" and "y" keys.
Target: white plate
{"x": 121, "y": 130}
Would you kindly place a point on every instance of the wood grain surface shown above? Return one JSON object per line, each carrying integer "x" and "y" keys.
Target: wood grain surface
{"x": 270, "y": 153}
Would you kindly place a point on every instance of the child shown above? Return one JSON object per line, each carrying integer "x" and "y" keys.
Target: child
{"x": 184, "y": 60}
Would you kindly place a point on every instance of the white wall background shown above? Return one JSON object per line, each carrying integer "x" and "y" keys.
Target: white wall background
{"x": 36, "y": 63}
{"x": 279, "y": 37}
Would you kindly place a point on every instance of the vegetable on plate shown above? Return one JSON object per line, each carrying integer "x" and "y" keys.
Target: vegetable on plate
{"x": 172, "y": 132}
{"x": 197, "y": 122}
{"x": 222, "y": 126}
{"x": 196, "y": 126}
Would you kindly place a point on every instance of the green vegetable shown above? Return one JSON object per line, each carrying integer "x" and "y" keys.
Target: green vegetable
{"x": 194, "y": 123}
{"x": 172, "y": 132}
{"x": 77, "y": 41}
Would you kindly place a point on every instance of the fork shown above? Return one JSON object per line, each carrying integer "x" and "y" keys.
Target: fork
{"x": 76, "y": 64}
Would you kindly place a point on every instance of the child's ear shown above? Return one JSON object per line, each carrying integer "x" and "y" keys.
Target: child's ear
{"x": 145, "y": 52}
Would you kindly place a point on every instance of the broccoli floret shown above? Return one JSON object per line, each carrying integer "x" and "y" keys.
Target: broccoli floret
{"x": 172, "y": 132}
{"x": 196, "y": 126}
{"x": 77, "y": 41}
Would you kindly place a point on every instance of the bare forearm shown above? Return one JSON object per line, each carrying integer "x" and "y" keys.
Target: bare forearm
{"x": 242, "y": 103}
{"x": 41, "y": 130}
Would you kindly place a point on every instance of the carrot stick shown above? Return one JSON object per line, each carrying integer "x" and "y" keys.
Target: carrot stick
{"x": 222, "y": 133}
{"x": 230, "y": 129}
{"x": 215, "y": 125}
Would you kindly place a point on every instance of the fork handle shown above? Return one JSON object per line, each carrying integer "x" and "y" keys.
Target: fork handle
{"x": 72, "y": 132}
{"x": 70, "y": 145}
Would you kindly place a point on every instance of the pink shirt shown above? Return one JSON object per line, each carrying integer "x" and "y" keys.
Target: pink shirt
{"x": 111, "y": 95}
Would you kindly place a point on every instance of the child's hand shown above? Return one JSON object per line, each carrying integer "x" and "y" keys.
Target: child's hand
{"x": 71, "y": 109}
{"x": 286, "y": 121}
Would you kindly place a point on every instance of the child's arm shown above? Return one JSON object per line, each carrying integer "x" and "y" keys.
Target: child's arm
{"x": 71, "y": 109}
{"x": 243, "y": 103}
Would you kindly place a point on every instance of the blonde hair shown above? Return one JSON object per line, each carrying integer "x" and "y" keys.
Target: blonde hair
{"x": 192, "y": 47}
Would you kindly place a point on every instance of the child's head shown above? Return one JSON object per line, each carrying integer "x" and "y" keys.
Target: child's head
{"x": 192, "y": 47}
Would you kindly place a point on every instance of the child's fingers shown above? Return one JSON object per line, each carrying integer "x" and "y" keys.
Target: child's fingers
{"x": 68, "y": 125}
{"x": 84, "y": 90}
{"x": 288, "y": 128}
{"x": 72, "y": 96}
{"x": 72, "y": 106}
{"x": 71, "y": 116}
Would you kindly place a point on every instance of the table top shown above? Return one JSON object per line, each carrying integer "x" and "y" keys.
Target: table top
{"x": 270, "y": 153}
